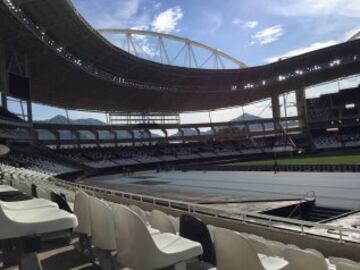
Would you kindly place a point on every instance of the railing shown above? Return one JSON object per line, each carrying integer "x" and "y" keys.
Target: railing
{"x": 272, "y": 222}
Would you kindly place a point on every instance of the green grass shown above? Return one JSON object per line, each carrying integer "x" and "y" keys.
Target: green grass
{"x": 324, "y": 160}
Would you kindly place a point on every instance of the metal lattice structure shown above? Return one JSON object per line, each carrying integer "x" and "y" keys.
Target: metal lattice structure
{"x": 127, "y": 118}
{"x": 170, "y": 49}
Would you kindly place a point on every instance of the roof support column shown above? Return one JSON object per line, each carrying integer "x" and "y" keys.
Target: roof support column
{"x": 114, "y": 135}
{"x": 97, "y": 137}
{"x": 76, "y": 133}
{"x": 132, "y": 134}
{"x": 275, "y": 105}
{"x": 301, "y": 107}
{"x": 198, "y": 133}
{"x": 4, "y": 86}
{"x": 56, "y": 134}
{"x": 166, "y": 135}
{"x": 214, "y": 133}
{"x": 29, "y": 100}
{"x": 149, "y": 135}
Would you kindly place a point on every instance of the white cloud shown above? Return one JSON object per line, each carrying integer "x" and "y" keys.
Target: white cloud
{"x": 251, "y": 24}
{"x": 312, "y": 47}
{"x": 127, "y": 9}
{"x": 267, "y": 35}
{"x": 246, "y": 24}
{"x": 167, "y": 20}
{"x": 348, "y": 8}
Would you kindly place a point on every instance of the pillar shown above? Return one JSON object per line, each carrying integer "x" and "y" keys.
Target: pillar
{"x": 28, "y": 101}
{"x": 3, "y": 77}
{"x": 276, "y": 112}
{"x": 301, "y": 106}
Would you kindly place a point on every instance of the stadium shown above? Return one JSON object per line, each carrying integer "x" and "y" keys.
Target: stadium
{"x": 143, "y": 190}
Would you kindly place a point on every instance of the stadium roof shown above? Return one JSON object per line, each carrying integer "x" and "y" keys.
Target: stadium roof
{"x": 74, "y": 67}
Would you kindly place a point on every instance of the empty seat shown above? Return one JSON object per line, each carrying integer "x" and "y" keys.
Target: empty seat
{"x": 28, "y": 205}
{"x": 19, "y": 223}
{"x": 140, "y": 212}
{"x": 175, "y": 222}
{"x": 82, "y": 212}
{"x": 347, "y": 266}
{"x": 139, "y": 250}
{"x": 300, "y": 259}
{"x": 159, "y": 220}
{"x": 44, "y": 193}
{"x": 61, "y": 202}
{"x": 6, "y": 188}
{"x": 344, "y": 264}
{"x": 194, "y": 229}
{"x": 102, "y": 224}
{"x": 234, "y": 252}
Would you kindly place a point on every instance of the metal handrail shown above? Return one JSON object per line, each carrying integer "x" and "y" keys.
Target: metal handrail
{"x": 244, "y": 217}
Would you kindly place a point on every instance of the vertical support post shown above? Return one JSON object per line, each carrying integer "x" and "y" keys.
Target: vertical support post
{"x": 29, "y": 100}
{"x": 3, "y": 77}
{"x": 301, "y": 106}
{"x": 166, "y": 135}
{"x": 198, "y": 133}
{"x": 149, "y": 135}
{"x": 131, "y": 132}
{"x": 276, "y": 112}
{"x": 181, "y": 131}
{"x": 77, "y": 137}
{"x": 214, "y": 131}
{"x": 115, "y": 137}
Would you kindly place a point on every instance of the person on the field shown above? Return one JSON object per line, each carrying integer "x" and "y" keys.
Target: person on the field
{"x": 276, "y": 167}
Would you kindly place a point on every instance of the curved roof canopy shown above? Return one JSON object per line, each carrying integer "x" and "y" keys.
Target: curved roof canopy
{"x": 73, "y": 66}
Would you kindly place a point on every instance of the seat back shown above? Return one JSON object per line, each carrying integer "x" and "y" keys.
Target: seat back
{"x": 82, "y": 212}
{"x": 102, "y": 224}
{"x": 234, "y": 252}
{"x": 34, "y": 191}
{"x": 61, "y": 202}
{"x": 44, "y": 193}
{"x": 300, "y": 259}
{"x": 135, "y": 247}
{"x": 141, "y": 213}
{"x": 194, "y": 229}
{"x": 159, "y": 220}
{"x": 347, "y": 266}
{"x": 175, "y": 221}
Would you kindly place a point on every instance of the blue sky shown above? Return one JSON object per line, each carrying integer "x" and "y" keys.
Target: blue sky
{"x": 253, "y": 31}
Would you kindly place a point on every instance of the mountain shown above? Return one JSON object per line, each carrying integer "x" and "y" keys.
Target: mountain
{"x": 85, "y": 135}
{"x": 60, "y": 119}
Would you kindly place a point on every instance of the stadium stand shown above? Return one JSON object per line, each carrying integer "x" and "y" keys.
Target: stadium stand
{"x": 153, "y": 247}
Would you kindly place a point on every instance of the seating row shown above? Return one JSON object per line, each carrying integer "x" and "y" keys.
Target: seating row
{"x": 152, "y": 240}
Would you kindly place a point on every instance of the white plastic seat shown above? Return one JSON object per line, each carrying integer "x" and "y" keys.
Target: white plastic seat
{"x": 139, "y": 250}
{"x": 19, "y": 223}
{"x": 347, "y": 266}
{"x": 44, "y": 193}
{"x": 344, "y": 264}
{"x": 6, "y": 188}
{"x": 159, "y": 220}
{"x": 234, "y": 252}
{"x": 141, "y": 213}
{"x": 175, "y": 222}
{"x": 28, "y": 204}
{"x": 300, "y": 259}
{"x": 102, "y": 224}
{"x": 82, "y": 212}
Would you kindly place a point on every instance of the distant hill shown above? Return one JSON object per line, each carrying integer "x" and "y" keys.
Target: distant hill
{"x": 60, "y": 119}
